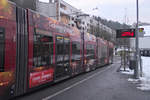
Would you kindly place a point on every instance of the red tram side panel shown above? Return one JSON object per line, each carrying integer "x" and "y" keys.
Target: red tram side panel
{"x": 76, "y": 52}
{"x": 55, "y": 51}
{"x": 41, "y": 55}
{"x": 102, "y": 52}
{"x": 110, "y": 52}
{"x": 62, "y": 51}
{"x": 106, "y": 53}
{"x": 7, "y": 48}
{"x": 49, "y": 50}
{"x": 89, "y": 51}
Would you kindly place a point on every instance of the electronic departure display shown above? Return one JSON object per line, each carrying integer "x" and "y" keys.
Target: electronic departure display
{"x": 125, "y": 33}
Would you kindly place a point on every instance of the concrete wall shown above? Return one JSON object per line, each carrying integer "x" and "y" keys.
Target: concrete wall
{"x": 31, "y": 4}
{"x": 144, "y": 42}
{"x": 47, "y": 9}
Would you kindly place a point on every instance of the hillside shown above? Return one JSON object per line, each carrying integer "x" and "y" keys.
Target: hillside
{"x": 112, "y": 24}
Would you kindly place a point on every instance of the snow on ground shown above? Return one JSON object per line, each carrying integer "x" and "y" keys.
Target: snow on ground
{"x": 143, "y": 82}
{"x": 127, "y": 71}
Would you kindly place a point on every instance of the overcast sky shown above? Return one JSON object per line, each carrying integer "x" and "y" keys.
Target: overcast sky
{"x": 114, "y": 9}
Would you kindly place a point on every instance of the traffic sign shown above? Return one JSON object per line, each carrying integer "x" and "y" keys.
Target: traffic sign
{"x": 141, "y": 29}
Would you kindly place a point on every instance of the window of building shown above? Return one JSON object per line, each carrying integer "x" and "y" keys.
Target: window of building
{"x": 73, "y": 25}
{"x": 43, "y": 50}
{"x": 2, "y": 48}
{"x": 83, "y": 23}
{"x": 63, "y": 6}
{"x": 73, "y": 18}
{"x": 52, "y": 1}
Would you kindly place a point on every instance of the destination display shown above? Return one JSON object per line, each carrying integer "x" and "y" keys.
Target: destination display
{"x": 125, "y": 33}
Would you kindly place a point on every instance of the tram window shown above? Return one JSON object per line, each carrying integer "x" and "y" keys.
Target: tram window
{"x": 76, "y": 51}
{"x": 90, "y": 49}
{"x": 43, "y": 50}
{"x": 2, "y": 48}
{"x": 103, "y": 51}
{"x": 110, "y": 51}
{"x": 66, "y": 45}
{"x": 99, "y": 52}
{"x": 75, "y": 48}
{"x": 59, "y": 48}
{"x": 60, "y": 45}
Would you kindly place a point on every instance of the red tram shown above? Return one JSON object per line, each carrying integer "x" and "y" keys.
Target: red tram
{"x": 37, "y": 50}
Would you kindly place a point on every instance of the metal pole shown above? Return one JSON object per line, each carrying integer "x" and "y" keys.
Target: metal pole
{"x": 124, "y": 55}
{"x": 141, "y": 67}
{"x": 136, "y": 71}
{"x": 58, "y": 10}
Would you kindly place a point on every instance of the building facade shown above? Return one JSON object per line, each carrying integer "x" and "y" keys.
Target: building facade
{"x": 64, "y": 12}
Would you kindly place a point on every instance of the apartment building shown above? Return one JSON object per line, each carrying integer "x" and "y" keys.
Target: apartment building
{"x": 66, "y": 13}
{"x": 56, "y": 9}
{"x": 47, "y": 8}
{"x": 93, "y": 26}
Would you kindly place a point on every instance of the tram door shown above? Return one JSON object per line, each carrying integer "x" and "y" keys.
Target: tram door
{"x": 22, "y": 52}
{"x": 62, "y": 69}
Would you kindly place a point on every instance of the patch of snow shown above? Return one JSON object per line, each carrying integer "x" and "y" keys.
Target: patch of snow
{"x": 121, "y": 49}
{"x": 127, "y": 71}
{"x": 146, "y": 67}
{"x": 133, "y": 80}
{"x": 144, "y": 87}
{"x": 145, "y": 80}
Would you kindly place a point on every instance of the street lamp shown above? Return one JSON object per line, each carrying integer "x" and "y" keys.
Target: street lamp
{"x": 136, "y": 71}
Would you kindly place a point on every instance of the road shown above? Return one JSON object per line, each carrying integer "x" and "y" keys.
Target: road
{"x": 102, "y": 84}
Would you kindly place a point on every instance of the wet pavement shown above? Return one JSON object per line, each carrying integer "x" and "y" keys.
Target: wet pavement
{"x": 102, "y": 84}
